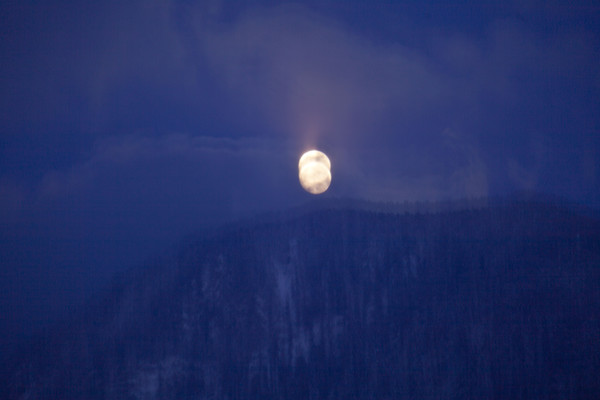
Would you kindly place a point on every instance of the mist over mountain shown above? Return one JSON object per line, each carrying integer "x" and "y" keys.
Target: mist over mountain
{"x": 494, "y": 300}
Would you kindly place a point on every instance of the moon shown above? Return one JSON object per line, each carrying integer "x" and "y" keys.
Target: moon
{"x": 314, "y": 171}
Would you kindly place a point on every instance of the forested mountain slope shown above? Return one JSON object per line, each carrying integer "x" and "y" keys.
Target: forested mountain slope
{"x": 501, "y": 301}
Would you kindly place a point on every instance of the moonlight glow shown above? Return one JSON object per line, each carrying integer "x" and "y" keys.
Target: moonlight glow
{"x": 314, "y": 171}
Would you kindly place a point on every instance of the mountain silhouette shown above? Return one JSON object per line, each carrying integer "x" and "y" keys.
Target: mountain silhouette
{"x": 499, "y": 300}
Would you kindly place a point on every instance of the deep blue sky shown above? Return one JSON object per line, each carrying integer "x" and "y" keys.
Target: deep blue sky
{"x": 125, "y": 125}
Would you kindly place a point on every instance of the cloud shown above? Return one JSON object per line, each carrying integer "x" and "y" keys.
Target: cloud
{"x": 526, "y": 175}
{"x": 462, "y": 173}
{"x": 172, "y": 179}
{"x": 323, "y": 85}
{"x": 296, "y": 79}
{"x": 311, "y": 77}
{"x": 136, "y": 43}
{"x": 318, "y": 83}
{"x": 301, "y": 79}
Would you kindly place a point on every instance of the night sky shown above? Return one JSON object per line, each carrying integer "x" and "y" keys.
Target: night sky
{"x": 126, "y": 126}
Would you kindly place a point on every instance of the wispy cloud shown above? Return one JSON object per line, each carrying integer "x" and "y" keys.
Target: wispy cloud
{"x": 174, "y": 171}
{"x": 319, "y": 83}
{"x": 314, "y": 79}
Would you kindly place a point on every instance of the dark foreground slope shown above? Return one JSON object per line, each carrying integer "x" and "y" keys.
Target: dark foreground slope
{"x": 499, "y": 302}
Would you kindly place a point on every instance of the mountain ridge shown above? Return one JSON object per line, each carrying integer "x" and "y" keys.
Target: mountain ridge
{"x": 345, "y": 303}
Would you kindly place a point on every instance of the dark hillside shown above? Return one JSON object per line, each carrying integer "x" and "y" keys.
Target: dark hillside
{"x": 498, "y": 302}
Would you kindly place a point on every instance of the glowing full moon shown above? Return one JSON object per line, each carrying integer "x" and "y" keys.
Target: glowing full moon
{"x": 314, "y": 171}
